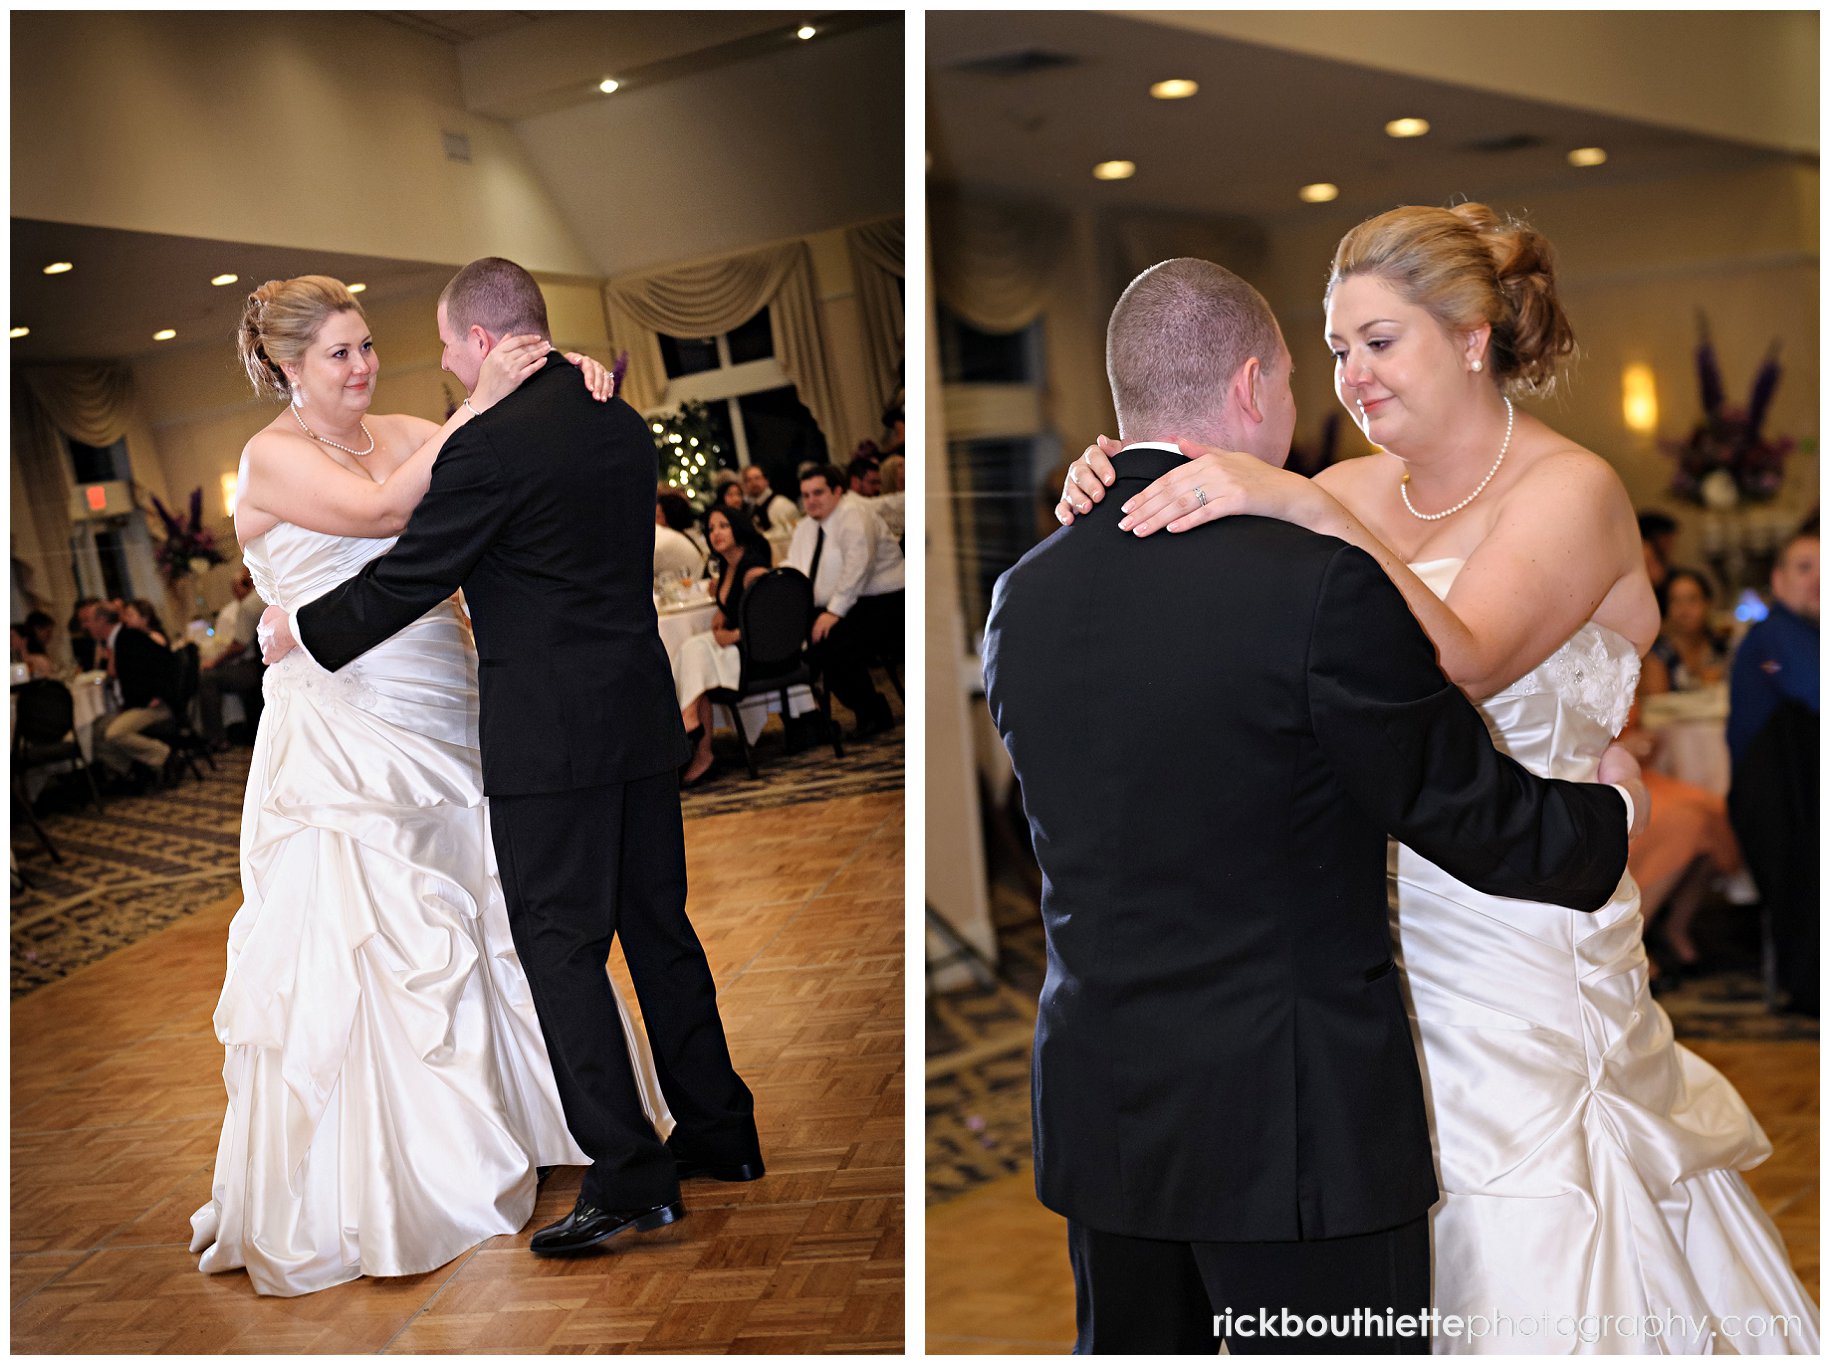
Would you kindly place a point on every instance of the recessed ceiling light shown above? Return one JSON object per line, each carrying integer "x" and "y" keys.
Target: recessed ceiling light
{"x": 58, "y": 267}
{"x": 224, "y": 279}
{"x": 805, "y": 31}
{"x": 18, "y": 332}
{"x": 608, "y": 86}
{"x": 1173, "y": 90}
{"x": 1319, "y": 193}
{"x": 1407, "y": 127}
{"x": 355, "y": 288}
{"x": 1587, "y": 156}
{"x": 164, "y": 334}
{"x": 1115, "y": 170}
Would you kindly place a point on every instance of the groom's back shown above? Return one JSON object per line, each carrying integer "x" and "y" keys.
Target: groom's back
{"x": 1218, "y": 1016}
{"x": 576, "y": 686}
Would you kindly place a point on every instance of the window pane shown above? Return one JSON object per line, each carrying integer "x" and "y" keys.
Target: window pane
{"x": 969, "y": 356}
{"x": 751, "y": 340}
{"x": 688, "y": 355}
{"x": 98, "y": 464}
{"x": 997, "y": 504}
{"x": 781, "y": 436}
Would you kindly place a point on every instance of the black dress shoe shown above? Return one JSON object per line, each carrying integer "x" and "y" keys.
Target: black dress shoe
{"x": 866, "y": 729}
{"x": 587, "y": 1226}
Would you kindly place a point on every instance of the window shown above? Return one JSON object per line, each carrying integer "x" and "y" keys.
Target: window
{"x": 748, "y": 399}
{"x": 999, "y": 451}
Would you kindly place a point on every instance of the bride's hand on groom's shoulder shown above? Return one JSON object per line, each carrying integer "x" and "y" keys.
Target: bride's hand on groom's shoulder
{"x": 600, "y": 381}
{"x": 1087, "y": 479}
{"x": 1213, "y": 484}
{"x": 506, "y": 367}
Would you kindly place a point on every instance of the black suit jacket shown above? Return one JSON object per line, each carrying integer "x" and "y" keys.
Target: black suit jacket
{"x": 1214, "y": 733}
{"x": 145, "y": 670}
{"x": 542, "y": 510}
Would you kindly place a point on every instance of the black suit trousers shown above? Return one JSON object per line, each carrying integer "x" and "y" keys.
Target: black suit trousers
{"x": 1135, "y": 1295}
{"x": 871, "y": 629}
{"x": 583, "y": 867}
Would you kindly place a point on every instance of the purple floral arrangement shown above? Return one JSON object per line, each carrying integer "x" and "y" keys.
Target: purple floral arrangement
{"x": 1726, "y": 459}
{"x": 189, "y": 546}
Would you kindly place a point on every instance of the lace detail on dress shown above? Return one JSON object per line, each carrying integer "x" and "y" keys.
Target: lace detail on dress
{"x": 297, "y": 670}
{"x": 1595, "y": 672}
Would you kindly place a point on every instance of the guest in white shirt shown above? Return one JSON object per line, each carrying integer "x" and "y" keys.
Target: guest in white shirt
{"x": 857, "y": 573}
{"x": 775, "y": 515}
{"x": 143, "y": 675}
{"x": 235, "y": 666}
{"x": 674, "y": 551}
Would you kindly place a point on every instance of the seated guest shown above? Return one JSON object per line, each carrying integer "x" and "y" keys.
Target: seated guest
{"x": 772, "y": 511}
{"x": 40, "y": 632}
{"x": 890, "y": 505}
{"x": 1657, "y": 535}
{"x": 740, "y": 556}
{"x": 38, "y": 665}
{"x": 675, "y": 551}
{"x": 864, "y": 474}
{"x": 82, "y": 644}
{"x": 856, "y": 571}
{"x": 142, "y": 615}
{"x": 1687, "y": 655}
{"x": 235, "y": 665}
{"x": 143, "y": 675}
{"x": 1773, "y": 729}
{"x": 729, "y": 496}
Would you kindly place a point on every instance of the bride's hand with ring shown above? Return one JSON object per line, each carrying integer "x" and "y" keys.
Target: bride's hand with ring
{"x": 504, "y": 369}
{"x": 1223, "y": 483}
{"x": 597, "y": 379}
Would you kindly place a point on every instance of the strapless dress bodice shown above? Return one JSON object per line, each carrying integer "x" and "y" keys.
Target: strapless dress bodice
{"x": 292, "y": 566}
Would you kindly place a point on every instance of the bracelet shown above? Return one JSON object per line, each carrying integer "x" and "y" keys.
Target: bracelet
{"x": 474, "y": 412}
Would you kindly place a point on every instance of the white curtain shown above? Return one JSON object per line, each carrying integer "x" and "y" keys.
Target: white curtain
{"x": 714, "y": 297}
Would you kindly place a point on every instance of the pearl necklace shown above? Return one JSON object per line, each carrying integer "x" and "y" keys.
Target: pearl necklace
{"x": 345, "y": 449}
{"x": 1405, "y": 492}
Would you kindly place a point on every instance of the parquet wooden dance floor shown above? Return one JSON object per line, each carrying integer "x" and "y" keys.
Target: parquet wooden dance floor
{"x": 997, "y": 1267}
{"x": 117, "y": 1102}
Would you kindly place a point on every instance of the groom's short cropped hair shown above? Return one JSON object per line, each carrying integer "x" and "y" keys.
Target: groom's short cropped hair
{"x": 1180, "y": 331}
{"x": 496, "y": 295}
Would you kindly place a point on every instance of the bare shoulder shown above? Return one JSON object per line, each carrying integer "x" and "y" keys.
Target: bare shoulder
{"x": 274, "y": 443}
{"x": 1576, "y": 484}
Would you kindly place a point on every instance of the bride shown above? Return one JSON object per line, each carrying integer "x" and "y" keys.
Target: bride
{"x": 389, "y": 1091}
{"x": 1589, "y": 1163}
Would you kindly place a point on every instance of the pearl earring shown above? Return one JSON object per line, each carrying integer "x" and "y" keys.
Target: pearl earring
{"x": 1477, "y": 367}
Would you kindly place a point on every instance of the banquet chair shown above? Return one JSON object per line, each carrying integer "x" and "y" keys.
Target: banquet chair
{"x": 186, "y": 744}
{"x": 44, "y": 733}
{"x": 774, "y": 621}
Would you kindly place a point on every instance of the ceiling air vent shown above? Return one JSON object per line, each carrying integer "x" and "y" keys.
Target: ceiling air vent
{"x": 1026, "y": 62}
{"x": 1499, "y": 146}
{"x": 457, "y": 147}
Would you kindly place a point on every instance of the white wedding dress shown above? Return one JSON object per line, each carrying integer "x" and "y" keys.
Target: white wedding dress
{"x": 1589, "y": 1164}
{"x": 389, "y": 1089}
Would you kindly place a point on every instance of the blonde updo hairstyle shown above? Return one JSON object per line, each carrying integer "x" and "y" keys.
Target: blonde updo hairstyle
{"x": 280, "y": 322}
{"x": 1465, "y": 266}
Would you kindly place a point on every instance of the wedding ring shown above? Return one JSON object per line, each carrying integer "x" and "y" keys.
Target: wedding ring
{"x": 1200, "y": 496}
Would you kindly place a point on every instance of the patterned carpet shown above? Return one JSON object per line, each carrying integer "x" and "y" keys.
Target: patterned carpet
{"x": 978, "y": 1039}
{"x": 150, "y": 860}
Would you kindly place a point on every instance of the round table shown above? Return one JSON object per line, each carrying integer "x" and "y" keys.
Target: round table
{"x": 1693, "y": 732}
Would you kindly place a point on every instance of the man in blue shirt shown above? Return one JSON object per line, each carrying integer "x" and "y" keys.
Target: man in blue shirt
{"x": 1773, "y": 729}
{"x": 1778, "y": 661}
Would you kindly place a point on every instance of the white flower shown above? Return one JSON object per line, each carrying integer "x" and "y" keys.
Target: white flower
{"x": 198, "y": 564}
{"x": 1719, "y": 491}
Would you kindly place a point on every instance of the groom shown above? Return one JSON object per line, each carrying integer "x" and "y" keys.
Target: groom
{"x": 541, "y": 510}
{"x": 1227, "y": 1105}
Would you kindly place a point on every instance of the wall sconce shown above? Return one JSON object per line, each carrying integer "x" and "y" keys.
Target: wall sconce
{"x": 1639, "y": 399}
{"x": 228, "y": 495}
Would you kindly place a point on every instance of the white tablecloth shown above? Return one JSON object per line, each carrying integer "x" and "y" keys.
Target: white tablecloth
{"x": 1693, "y": 732}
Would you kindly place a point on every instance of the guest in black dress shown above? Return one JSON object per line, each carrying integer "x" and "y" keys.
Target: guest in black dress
{"x": 740, "y": 556}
